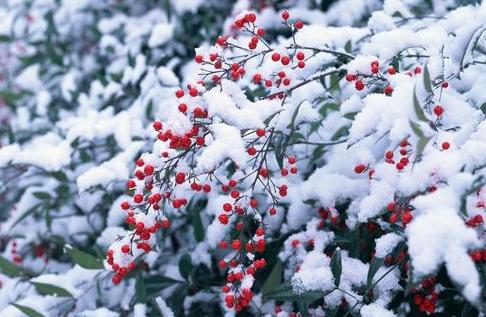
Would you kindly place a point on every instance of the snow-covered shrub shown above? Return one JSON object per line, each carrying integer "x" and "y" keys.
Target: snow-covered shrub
{"x": 305, "y": 163}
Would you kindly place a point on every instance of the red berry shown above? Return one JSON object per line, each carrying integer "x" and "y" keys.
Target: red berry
{"x": 350, "y": 77}
{"x": 406, "y": 218}
{"x": 388, "y": 90}
{"x": 301, "y": 64}
{"x": 285, "y": 60}
{"x": 391, "y": 70}
{"x": 131, "y": 184}
{"x": 179, "y": 93}
{"x": 360, "y": 168}
{"x": 260, "y": 32}
{"x": 148, "y": 169}
{"x": 223, "y": 218}
{"x": 125, "y": 248}
{"x": 257, "y": 78}
{"x": 252, "y": 151}
{"x": 223, "y": 244}
{"x": 125, "y": 205}
{"x": 300, "y": 56}
{"x": 438, "y": 110}
{"x": 285, "y": 15}
{"x": 193, "y": 92}
{"x": 139, "y": 162}
{"x": 292, "y": 160}
{"x": 222, "y": 264}
{"x": 157, "y": 125}
{"x": 445, "y": 84}
{"x": 236, "y": 244}
{"x": 275, "y": 57}
{"x": 138, "y": 198}
{"x": 260, "y": 132}
{"x": 182, "y": 107}
{"x": 446, "y": 145}
{"x": 227, "y": 207}
{"x": 299, "y": 25}
{"x": 198, "y": 59}
{"x": 389, "y": 155}
{"x": 180, "y": 178}
{"x": 359, "y": 85}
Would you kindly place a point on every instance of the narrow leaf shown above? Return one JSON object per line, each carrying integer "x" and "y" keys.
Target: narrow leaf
{"x": 375, "y": 264}
{"x": 274, "y": 279}
{"x": 42, "y": 195}
{"x": 185, "y": 266}
{"x": 427, "y": 82}
{"x": 84, "y": 259}
{"x": 49, "y": 289}
{"x": 8, "y": 268}
{"x": 336, "y": 266}
{"x": 418, "y": 108}
{"x": 27, "y": 310}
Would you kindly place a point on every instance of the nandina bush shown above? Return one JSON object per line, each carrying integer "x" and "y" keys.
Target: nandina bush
{"x": 300, "y": 169}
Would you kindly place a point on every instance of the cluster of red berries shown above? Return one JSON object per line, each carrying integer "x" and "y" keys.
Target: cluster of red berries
{"x": 375, "y": 75}
{"x": 327, "y": 215}
{"x": 426, "y": 297}
{"x": 404, "y": 159}
{"x": 16, "y": 257}
{"x": 399, "y": 212}
{"x": 478, "y": 255}
{"x": 475, "y": 221}
{"x": 120, "y": 272}
{"x": 292, "y": 168}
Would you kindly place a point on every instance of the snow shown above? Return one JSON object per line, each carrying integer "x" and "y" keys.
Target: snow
{"x": 375, "y": 310}
{"x": 227, "y": 143}
{"x": 73, "y": 132}
{"x": 161, "y": 33}
{"x": 386, "y": 243}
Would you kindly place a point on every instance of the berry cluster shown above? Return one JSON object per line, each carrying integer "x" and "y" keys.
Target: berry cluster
{"x": 426, "y": 297}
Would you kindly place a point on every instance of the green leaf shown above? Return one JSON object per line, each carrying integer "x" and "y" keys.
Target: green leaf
{"x": 185, "y": 266}
{"x": 84, "y": 259}
{"x": 274, "y": 279}
{"x": 475, "y": 36}
{"x": 49, "y": 289}
{"x": 375, "y": 264}
{"x": 422, "y": 143}
{"x": 42, "y": 195}
{"x": 483, "y": 108}
{"x": 140, "y": 289}
{"x": 416, "y": 129}
{"x": 418, "y": 108}
{"x": 196, "y": 221}
{"x": 154, "y": 284}
{"x": 336, "y": 266}
{"x": 280, "y": 148}
{"x": 427, "y": 82}
{"x": 291, "y": 125}
{"x": 60, "y": 176}
{"x": 303, "y": 308}
{"x": 4, "y": 38}
{"x": 27, "y": 310}
{"x": 348, "y": 46}
{"x": 351, "y": 115}
{"x": 284, "y": 292}
{"x": 8, "y": 268}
